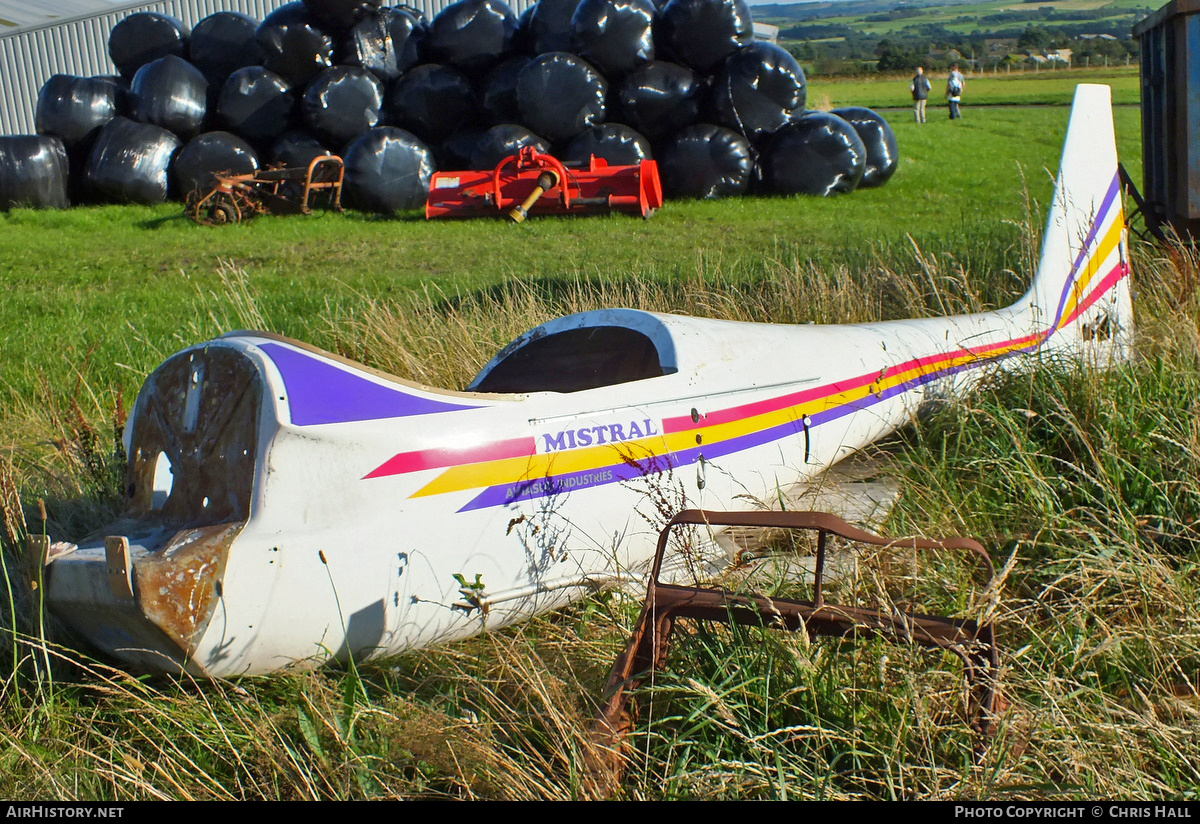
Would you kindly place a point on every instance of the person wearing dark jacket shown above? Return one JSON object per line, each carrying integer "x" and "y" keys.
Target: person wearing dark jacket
{"x": 919, "y": 87}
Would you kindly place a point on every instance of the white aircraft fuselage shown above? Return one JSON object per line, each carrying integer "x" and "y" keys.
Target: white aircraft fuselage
{"x": 287, "y": 506}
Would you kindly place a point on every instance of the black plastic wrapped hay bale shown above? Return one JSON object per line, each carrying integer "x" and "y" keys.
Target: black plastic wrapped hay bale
{"x": 549, "y": 25}
{"x": 433, "y": 101}
{"x": 498, "y": 93}
{"x": 209, "y": 154}
{"x": 615, "y": 143}
{"x": 561, "y": 95}
{"x": 388, "y": 43}
{"x": 343, "y": 102}
{"x": 615, "y": 36}
{"x": 660, "y": 99}
{"x": 819, "y": 154}
{"x": 257, "y": 104}
{"x": 702, "y": 33}
{"x": 76, "y": 108}
{"x": 473, "y": 35}
{"x": 759, "y": 89}
{"x": 340, "y": 15}
{"x": 387, "y": 170}
{"x": 294, "y": 45}
{"x": 143, "y": 37}
{"x": 130, "y": 162}
{"x": 222, "y": 43}
{"x": 706, "y": 161}
{"x": 455, "y": 151}
{"x": 33, "y": 172}
{"x": 172, "y": 93}
{"x": 503, "y": 141}
{"x": 883, "y": 155}
{"x": 297, "y": 149}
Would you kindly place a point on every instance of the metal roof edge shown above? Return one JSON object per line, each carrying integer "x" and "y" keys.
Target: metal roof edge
{"x": 61, "y": 21}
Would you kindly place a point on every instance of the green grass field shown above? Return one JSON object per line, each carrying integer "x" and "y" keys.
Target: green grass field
{"x": 108, "y": 292}
{"x": 1083, "y": 485}
{"x": 1048, "y": 87}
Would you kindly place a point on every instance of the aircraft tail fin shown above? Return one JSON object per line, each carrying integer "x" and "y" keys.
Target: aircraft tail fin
{"x": 1080, "y": 301}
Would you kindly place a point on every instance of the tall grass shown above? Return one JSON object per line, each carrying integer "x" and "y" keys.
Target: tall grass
{"x": 1088, "y": 480}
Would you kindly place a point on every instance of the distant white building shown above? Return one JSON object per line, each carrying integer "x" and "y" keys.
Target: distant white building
{"x": 767, "y": 32}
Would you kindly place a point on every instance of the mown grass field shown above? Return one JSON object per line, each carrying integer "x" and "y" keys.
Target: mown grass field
{"x": 1048, "y": 87}
{"x": 1083, "y": 486}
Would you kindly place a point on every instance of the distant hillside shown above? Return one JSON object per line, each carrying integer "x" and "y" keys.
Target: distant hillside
{"x": 809, "y": 11}
{"x": 865, "y": 35}
{"x": 982, "y": 17}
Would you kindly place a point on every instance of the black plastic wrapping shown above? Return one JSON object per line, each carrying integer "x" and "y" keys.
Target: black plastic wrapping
{"x": 473, "y": 35}
{"x": 702, "y": 33}
{"x": 257, "y": 104}
{"x": 759, "y": 89}
{"x": 296, "y": 148}
{"x": 617, "y": 144}
{"x": 75, "y": 108}
{"x": 615, "y": 36}
{"x": 388, "y": 43}
{"x": 501, "y": 141}
{"x": 172, "y": 93}
{"x": 432, "y": 101}
{"x": 883, "y": 155}
{"x": 294, "y": 45}
{"x": 455, "y": 151}
{"x": 387, "y": 170}
{"x": 561, "y": 95}
{"x": 206, "y": 155}
{"x": 143, "y": 37}
{"x": 340, "y": 15}
{"x": 222, "y": 43}
{"x": 549, "y": 27}
{"x": 33, "y": 172}
{"x": 342, "y": 103}
{"x": 706, "y": 161}
{"x": 130, "y": 162}
{"x": 819, "y": 154}
{"x": 660, "y": 99}
{"x": 498, "y": 98}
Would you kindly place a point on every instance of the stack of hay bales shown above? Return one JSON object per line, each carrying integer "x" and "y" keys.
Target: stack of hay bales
{"x": 398, "y": 97}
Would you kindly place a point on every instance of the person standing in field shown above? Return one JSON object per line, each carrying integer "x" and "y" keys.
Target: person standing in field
{"x": 954, "y": 89}
{"x": 920, "y": 92}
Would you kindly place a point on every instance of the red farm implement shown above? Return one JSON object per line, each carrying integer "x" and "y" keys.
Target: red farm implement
{"x": 533, "y": 183}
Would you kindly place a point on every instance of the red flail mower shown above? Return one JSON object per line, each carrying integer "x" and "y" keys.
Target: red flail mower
{"x": 533, "y": 183}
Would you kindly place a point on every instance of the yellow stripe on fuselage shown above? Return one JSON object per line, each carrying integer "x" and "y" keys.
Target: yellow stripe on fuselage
{"x": 1093, "y": 265}
{"x": 511, "y": 470}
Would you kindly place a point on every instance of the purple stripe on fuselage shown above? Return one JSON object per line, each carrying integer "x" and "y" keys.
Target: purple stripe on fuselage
{"x": 531, "y": 489}
{"x": 1097, "y": 222}
{"x": 319, "y": 392}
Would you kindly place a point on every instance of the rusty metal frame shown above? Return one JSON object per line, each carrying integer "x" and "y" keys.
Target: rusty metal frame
{"x": 666, "y": 604}
{"x": 237, "y": 197}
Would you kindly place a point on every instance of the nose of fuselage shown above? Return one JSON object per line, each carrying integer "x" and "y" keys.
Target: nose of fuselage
{"x": 145, "y": 587}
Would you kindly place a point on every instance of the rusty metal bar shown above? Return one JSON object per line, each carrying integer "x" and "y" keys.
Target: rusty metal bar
{"x": 667, "y": 603}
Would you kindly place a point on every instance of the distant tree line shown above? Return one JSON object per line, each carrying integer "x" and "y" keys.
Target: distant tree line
{"x": 840, "y": 49}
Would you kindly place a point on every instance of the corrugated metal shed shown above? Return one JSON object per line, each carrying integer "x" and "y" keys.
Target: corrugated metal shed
{"x": 16, "y": 15}
{"x": 1170, "y": 74}
{"x": 71, "y": 37}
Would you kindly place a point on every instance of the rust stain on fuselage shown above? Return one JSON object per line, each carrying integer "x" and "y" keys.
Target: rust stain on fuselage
{"x": 198, "y": 416}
